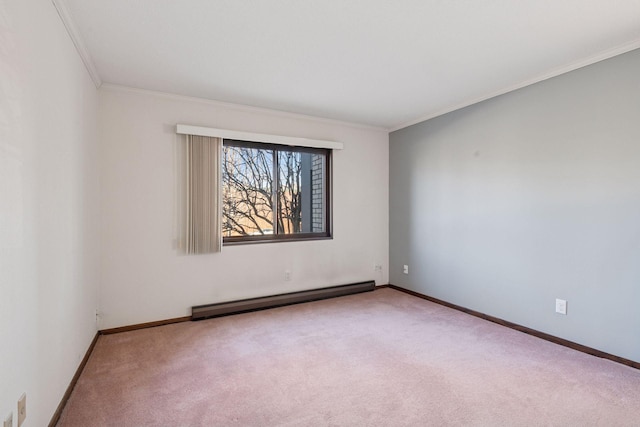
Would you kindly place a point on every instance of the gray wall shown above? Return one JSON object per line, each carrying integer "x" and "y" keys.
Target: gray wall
{"x": 504, "y": 206}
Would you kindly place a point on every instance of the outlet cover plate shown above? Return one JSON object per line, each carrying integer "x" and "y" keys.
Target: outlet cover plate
{"x": 561, "y": 306}
{"x": 8, "y": 422}
{"x": 22, "y": 409}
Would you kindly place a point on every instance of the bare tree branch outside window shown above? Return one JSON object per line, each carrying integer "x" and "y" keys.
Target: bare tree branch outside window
{"x": 247, "y": 176}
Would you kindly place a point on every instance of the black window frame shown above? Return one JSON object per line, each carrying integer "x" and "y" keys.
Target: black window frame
{"x": 328, "y": 199}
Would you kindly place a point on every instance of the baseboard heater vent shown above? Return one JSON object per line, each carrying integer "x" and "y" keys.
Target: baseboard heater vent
{"x": 214, "y": 310}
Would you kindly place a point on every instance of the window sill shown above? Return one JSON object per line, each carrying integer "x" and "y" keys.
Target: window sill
{"x": 250, "y": 240}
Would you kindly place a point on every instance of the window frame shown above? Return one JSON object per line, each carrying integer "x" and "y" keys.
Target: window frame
{"x": 328, "y": 196}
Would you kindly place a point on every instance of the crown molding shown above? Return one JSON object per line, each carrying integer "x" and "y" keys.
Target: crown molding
{"x": 74, "y": 33}
{"x": 601, "y": 56}
{"x": 241, "y": 107}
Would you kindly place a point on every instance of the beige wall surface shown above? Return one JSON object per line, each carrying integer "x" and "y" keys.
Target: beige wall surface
{"x": 49, "y": 218}
{"x": 145, "y": 278}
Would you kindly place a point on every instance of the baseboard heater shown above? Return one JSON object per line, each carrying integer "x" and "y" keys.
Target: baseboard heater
{"x": 233, "y": 307}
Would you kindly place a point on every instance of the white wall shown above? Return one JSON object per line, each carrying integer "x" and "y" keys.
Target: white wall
{"x": 146, "y": 279}
{"x": 504, "y": 206}
{"x": 48, "y": 209}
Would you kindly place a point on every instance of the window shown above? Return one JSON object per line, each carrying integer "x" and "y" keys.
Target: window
{"x": 274, "y": 192}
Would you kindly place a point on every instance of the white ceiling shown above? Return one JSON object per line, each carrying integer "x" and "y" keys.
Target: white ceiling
{"x": 384, "y": 63}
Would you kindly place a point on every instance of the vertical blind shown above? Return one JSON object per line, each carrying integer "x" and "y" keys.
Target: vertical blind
{"x": 203, "y": 196}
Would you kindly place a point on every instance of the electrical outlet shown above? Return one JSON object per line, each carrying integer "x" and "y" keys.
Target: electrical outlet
{"x": 561, "y": 306}
{"x": 22, "y": 409}
{"x": 287, "y": 276}
{"x": 405, "y": 269}
{"x": 377, "y": 268}
{"x": 8, "y": 422}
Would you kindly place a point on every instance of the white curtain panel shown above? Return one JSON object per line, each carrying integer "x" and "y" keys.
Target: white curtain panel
{"x": 202, "y": 220}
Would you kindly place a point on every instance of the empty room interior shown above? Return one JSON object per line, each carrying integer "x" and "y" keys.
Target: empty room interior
{"x": 319, "y": 213}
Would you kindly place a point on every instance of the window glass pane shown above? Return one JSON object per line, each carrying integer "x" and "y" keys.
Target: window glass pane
{"x": 274, "y": 192}
{"x": 289, "y": 192}
{"x": 301, "y": 190}
{"x": 247, "y": 196}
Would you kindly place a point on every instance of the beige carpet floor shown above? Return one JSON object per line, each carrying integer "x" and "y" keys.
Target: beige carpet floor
{"x": 381, "y": 358}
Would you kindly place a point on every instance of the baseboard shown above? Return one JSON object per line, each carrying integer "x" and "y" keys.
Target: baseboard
{"x": 524, "y": 329}
{"x": 56, "y": 415}
{"x": 144, "y": 325}
{"x": 261, "y": 303}
{"x": 157, "y": 323}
